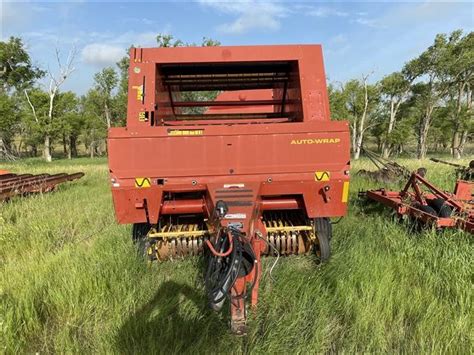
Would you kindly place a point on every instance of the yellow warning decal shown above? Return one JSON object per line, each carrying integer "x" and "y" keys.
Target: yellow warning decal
{"x": 185, "y": 132}
{"x": 142, "y": 182}
{"x": 322, "y": 175}
{"x": 345, "y": 191}
{"x": 142, "y": 116}
{"x": 139, "y": 89}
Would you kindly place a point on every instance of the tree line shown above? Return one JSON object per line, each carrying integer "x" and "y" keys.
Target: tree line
{"x": 426, "y": 105}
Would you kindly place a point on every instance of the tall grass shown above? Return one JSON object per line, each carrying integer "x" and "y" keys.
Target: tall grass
{"x": 72, "y": 282}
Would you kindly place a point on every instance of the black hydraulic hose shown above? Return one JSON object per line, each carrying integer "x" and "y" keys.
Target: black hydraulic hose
{"x": 215, "y": 271}
{"x": 224, "y": 277}
{"x": 222, "y": 272}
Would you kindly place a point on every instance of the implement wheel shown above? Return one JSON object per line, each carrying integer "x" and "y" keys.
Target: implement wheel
{"x": 323, "y": 231}
{"x": 440, "y": 206}
{"x": 419, "y": 224}
{"x": 139, "y": 232}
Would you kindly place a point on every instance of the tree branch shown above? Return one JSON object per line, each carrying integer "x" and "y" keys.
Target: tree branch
{"x": 32, "y": 107}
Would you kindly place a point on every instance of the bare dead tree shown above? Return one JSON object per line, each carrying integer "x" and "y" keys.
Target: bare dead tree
{"x": 56, "y": 80}
{"x": 361, "y": 127}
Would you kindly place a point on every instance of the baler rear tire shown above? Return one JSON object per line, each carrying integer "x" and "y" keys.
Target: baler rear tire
{"x": 323, "y": 231}
{"x": 139, "y": 232}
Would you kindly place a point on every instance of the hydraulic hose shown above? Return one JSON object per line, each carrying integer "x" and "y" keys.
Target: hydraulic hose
{"x": 226, "y": 262}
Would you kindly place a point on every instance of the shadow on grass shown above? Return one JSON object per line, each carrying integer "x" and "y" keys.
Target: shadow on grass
{"x": 175, "y": 320}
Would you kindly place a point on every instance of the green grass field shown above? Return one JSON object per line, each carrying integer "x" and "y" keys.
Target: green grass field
{"x": 72, "y": 282}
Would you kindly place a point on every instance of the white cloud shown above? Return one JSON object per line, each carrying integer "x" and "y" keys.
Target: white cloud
{"x": 108, "y": 48}
{"x": 338, "y": 45}
{"x": 102, "y": 54}
{"x": 141, "y": 39}
{"x": 426, "y": 11}
{"x": 15, "y": 16}
{"x": 338, "y": 39}
{"x": 368, "y": 22}
{"x": 323, "y": 11}
{"x": 251, "y": 15}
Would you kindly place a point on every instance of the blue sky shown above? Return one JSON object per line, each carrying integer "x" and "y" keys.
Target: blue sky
{"x": 357, "y": 37}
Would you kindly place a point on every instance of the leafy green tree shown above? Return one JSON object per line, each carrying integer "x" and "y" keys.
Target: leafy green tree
{"x": 57, "y": 79}
{"x": 16, "y": 73}
{"x": 35, "y": 117}
{"x": 395, "y": 89}
{"x": 361, "y": 101}
{"x": 438, "y": 67}
{"x": 167, "y": 40}
{"x": 69, "y": 122}
{"x": 338, "y": 102}
{"x": 94, "y": 131}
{"x": 8, "y": 122}
{"x": 16, "y": 68}
{"x": 121, "y": 98}
{"x": 105, "y": 82}
{"x": 457, "y": 66}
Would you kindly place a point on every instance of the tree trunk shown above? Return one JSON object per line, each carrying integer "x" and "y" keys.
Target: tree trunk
{"x": 107, "y": 114}
{"x": 20, "y": 146}
{"x": 358, "y": 148}
{"x": 47, "y": 149}
{"x": 353, "y": 135}
{"x": 462, "y": 143}
{"x": 91, "y": 149}
{"x": 73, "y": 146}
{"x": 2, "y": 149}
{"x": 386, "y": 149}
{"x": 68, "y": 147}
{"x": 455, "y": 143}
{"x": 423, "y": 137}
{"x": 361, "y": 128}
{"x": 66, "y": 152}
{"x": 380, "y": 144}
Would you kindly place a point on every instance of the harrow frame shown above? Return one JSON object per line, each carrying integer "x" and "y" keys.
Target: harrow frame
{"x": 409, "y": 202}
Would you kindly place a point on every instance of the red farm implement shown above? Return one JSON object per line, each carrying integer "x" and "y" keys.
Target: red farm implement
{"x": 427, "y": 204}
{"x": 257, "y": 170}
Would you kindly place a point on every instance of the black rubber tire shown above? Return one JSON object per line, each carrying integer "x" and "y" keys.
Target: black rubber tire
{"x": 442, "y": 209}
{"x": 427, "y": 209}
{"x": 139, "y": 232}
{"x": 323, "y": 231}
